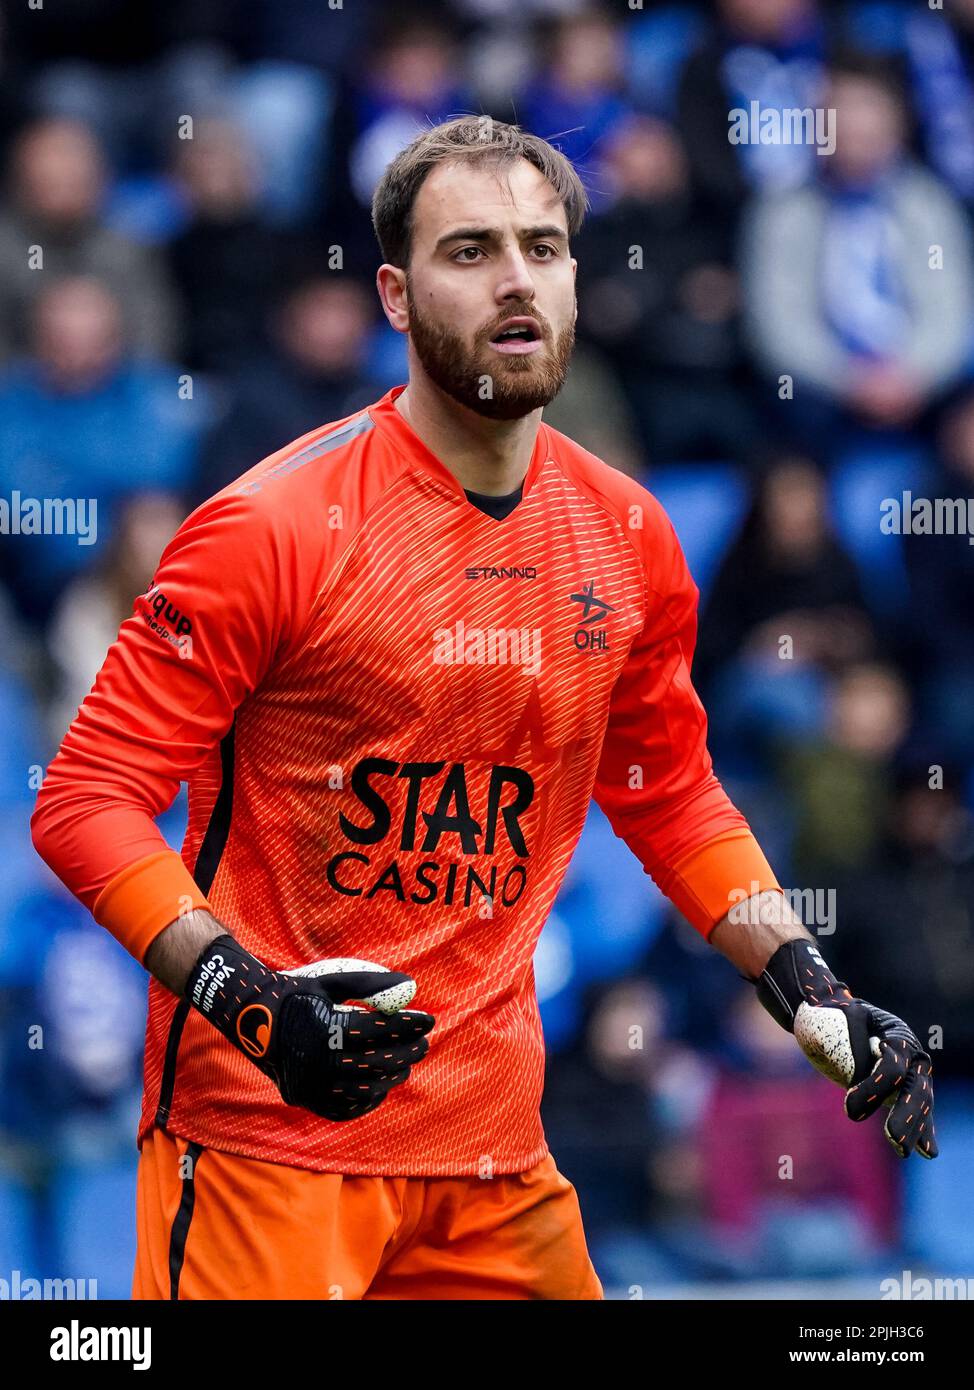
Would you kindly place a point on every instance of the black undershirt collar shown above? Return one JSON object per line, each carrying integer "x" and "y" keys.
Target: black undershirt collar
{"x": 497, "y": 507}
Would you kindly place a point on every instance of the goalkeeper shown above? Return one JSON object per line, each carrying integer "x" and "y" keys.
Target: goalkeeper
{"x": 395, "y": 663}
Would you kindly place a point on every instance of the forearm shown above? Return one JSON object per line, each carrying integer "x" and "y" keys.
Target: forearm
{"x": 753, "y": 930}
{"x": 176, "y": 950}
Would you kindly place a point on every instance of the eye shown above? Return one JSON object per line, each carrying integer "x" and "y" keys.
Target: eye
{"x": 462, "y": 253}
{"x": 545, "y": 246}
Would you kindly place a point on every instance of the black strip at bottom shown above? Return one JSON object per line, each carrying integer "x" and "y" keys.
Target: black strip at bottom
{"x": 180, "y": 1225}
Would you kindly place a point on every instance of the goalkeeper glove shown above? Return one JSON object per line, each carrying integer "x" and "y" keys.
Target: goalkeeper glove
{"x": 337, "y": 1061}
{"x": 873, "y": 1054}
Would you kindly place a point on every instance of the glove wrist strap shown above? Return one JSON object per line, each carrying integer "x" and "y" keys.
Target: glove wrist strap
{"x": 796, "y": 974}
{"x": 240, "y": 996}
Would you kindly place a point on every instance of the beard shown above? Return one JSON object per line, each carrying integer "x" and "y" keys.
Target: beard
{"x": 493, "y": 385}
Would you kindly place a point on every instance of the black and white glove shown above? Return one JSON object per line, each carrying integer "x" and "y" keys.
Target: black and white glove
{"x": 331, "y": 1058}
{"x": 872, "y": 1053}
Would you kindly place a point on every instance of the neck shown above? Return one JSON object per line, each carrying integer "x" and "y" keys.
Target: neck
{"x": 486, "y": 456}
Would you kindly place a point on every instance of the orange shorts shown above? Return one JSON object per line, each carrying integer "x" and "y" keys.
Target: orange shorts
{"x": 213, "y": 1225}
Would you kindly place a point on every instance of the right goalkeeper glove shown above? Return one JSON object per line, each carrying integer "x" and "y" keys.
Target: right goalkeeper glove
{"x": 873, "y": 1054}
{"x": 337, "y": 1061}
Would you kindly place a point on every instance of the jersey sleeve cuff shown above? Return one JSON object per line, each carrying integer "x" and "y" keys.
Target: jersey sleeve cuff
{"x": 709, "y": 881}
{"x": 143, "y": 899}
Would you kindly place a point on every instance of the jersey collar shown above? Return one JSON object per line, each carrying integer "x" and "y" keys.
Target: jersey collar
{"x": 388, "y": 419}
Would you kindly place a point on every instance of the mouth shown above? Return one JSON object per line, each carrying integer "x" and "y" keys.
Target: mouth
{"x": 518, "y": 336}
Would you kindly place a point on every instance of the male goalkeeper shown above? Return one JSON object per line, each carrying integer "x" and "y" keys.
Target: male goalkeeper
{"x": 394, "y": 662}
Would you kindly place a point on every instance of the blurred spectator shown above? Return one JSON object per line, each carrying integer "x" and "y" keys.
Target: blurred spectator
{"x": 411, "y": 78}
{"x": 285, "y": 97}
{"x": 681, "y": 1144}
{"x": 74, "y": 1008}
{"x": 940, "y": 55}
{"x": 789, "y": 1187}
{"x": 917, "y": 891}
{"x": 57, "y": 182}
{"x": 941, "y": 573}
{"x": 839, "y": 783}
{"x": 226, "y": 261}
{"x": 768, "y": 51}
{"x": 843, "y": 289}
{"x": 128, "y": 71}
{"x": 80, "y": 420}
{"x": 307, "y": 33}
{"x": 596, "y": 1102}
{"x": 593, "y": 410}
{"x": 579, "y": 96}
{"x": 935, "y": 48}
{"x": 785, "y": 576}
{"x": 669, "y": 322}
{"x": 92, "y": 607}
{"x": 15, "y": 106}
{"x": 315, "y": 374}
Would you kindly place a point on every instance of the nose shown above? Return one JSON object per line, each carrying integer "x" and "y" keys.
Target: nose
{"x": 515, "y": 281}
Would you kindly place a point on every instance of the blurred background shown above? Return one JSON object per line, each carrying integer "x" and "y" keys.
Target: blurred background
{"x": 198, "y": 176}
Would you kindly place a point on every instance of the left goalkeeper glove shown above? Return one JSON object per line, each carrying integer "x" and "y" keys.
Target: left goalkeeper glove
{"x": 875, "y": 1055}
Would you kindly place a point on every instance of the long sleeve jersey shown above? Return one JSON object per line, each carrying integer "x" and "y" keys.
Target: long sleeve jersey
{"x": 392, "y": 710}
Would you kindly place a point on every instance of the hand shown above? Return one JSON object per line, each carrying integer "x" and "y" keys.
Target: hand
{"x": 882, "y": 1063}
{"x": 336, "y": 1060}
{"x": 873, "y": 1054}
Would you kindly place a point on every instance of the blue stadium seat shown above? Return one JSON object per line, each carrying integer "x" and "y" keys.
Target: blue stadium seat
{"x": 18, "y": 1249}
{"x": 658, "y": 45}
{"x": 706, "y": 503}
{"x": 386, "y": 359}
{"x": 877, "y": 26}
{"x": 610, "y": 905}
{"x": 937, "y": 1205}
{"x": 607, "y": 915}
{"x": 860, "y": 482}
{"x": 23, "y": 741}
{"x": 94, "y": 1212}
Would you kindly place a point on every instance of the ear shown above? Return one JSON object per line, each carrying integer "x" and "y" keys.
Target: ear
{"x": 390, "y": 282}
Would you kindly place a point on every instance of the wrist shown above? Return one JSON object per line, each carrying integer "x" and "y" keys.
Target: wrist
{"x": 239, "y": 995}
{"x": 796, "y": 974}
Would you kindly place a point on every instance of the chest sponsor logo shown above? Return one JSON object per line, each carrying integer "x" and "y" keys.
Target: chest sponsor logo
{"x": 589, "y": 635}
{"x": 438, "y": 818}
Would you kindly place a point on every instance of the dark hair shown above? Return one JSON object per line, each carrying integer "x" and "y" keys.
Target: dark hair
{"x": 883, "y": 70}
{"x": 475, "y": 139}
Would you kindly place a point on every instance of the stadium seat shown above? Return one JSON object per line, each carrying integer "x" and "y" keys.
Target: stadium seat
{"x": 877, "y": 26}
{"x": 658, "y": 45}
{"x": 860, "y": 482}
{"x": 706, "y": 503}
{"x": 94, "y": 1211}
{"x": 936, "y": 1228}
{"x": 386, "y": 356}
{"x": 18, "y": 1248}
{"x": 611, "y": 907}
{"x": 21, "y": 730}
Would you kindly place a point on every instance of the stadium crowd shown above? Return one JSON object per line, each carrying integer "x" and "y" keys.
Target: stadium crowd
{"x": 777, "y": 338}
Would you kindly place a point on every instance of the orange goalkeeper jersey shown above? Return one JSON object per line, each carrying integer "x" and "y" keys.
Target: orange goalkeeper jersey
{"x": 392, "y": 710}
